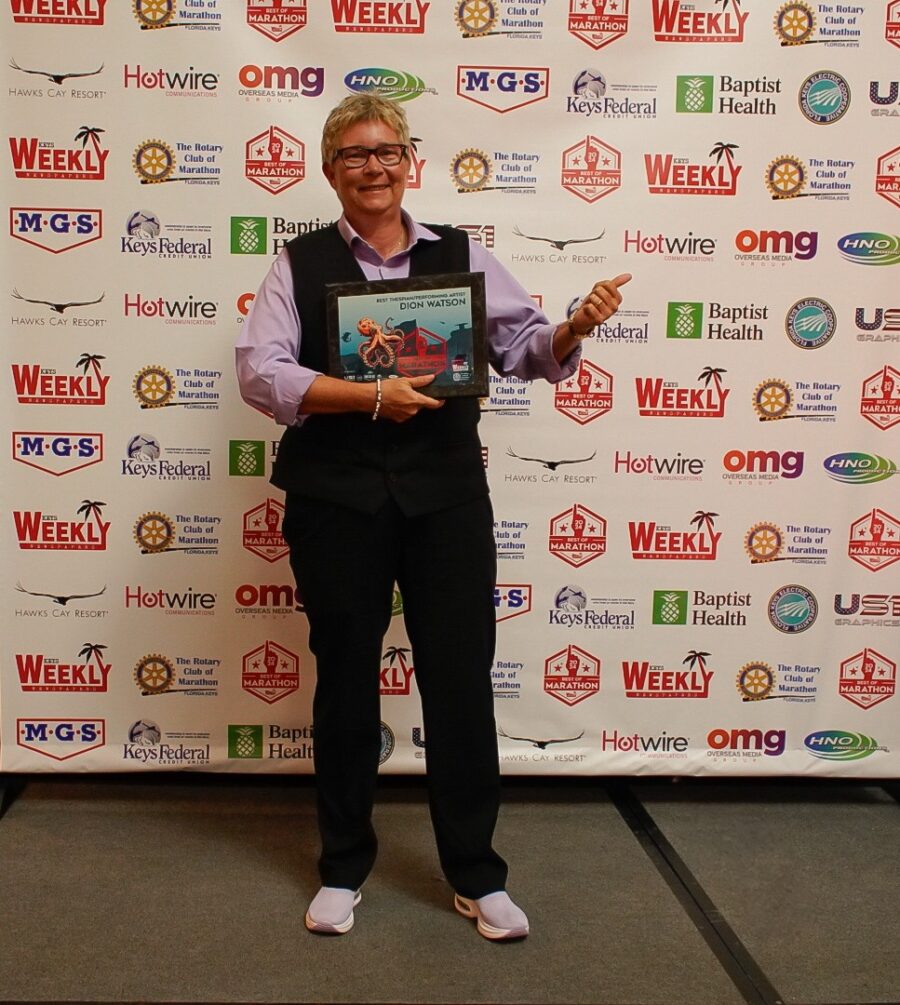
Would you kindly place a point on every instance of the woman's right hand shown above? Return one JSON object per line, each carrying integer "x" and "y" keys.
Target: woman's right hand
{"x": 401, "y": 401}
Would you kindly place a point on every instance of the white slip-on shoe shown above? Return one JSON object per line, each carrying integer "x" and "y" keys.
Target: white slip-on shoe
{"x": 497, "y": 916}
{"x": 331, "y": 910}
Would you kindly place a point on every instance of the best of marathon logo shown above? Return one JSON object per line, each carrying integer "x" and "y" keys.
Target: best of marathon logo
{"x": 143, "y": 237}
{"x": 144, "y": 459}
{"x": 695, "y": 94}
{"x": 55, "y": 230}
{"x": 393, "y": 17}
{"x": 275, "y": 160}
{"x": 64, "y": 12}
{"x": 38, "y": 385}
{"x": 195, "y": 15}
{"x": 57, "y": 453}
{"x": 36, "y": 158}
{"x": 591, "y": 169}
{"x": 675, "y": 21}
{"x": 262, "y": 531}
{"x": 654, "y": 541}
{"x": 276, "y": 22}
{"x": 193, "y": 676}
{"x": 60, "y": 739}
{"x": 600, "y": 26}
{"x": 270, "y": 672}
{"x": 88, "y": 674}
{"x": 189, "y": 83}
{"x": 155, "y": 387}
{"x": 867, "y": 678}
{"x": 39, "y": 531}
{"x": 645, "y": 680}
{"x": 586, "y": 395}
{"x": 503, "y": 88}
{"x": 571, "y": 675}
{"x": 670, "y": 175}
{"x": 880, "y": 398}
{"x": 659, "y": 398}
{"x": 577, "y": 535}
{"x": 156, "y": 533}
{"x": 875, "y": 540}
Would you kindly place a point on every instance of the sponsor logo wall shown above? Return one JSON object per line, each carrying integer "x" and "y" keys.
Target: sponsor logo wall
{"x": 698, "y": 532}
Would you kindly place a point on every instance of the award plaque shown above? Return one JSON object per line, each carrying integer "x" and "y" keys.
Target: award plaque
{"x": 411, "y": 327}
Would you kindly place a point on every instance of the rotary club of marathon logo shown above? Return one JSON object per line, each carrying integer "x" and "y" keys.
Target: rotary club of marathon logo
{"x": 787, "y": 176}
{"x": 481, "y": 18}
{"x": 156, "y": 674}
{"x": 473, "y": 170}
{"x": 279, "y": 20}
{"x": 773, "y": 399}
{"x": 155, "y": 387}
{"x": 262, "y": 531}
{"x": 577, "y": 535}
{"x": 880, "y": 401}
{"x": 270, "y": 672}
{"x": 867, "y": 678}
{"x": 156, "y": 533}
{"x": 757, "y": 681}
{"x": 154, "y": 14}
{"x": 767, "y": 542}
{"x": 875, "y": 540}
{"x": 275, "y": 160}
{"x": 571, "y": 675}
{"x": 598, "y": 22}
{"x": 155, "y": 162}
{"x": 795, "y": 24}
{"x": 591, "y": 169}
{"x": 586, "y": 395}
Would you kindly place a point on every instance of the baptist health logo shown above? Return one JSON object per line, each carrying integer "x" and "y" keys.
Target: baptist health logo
{"x": 249, "y": 235}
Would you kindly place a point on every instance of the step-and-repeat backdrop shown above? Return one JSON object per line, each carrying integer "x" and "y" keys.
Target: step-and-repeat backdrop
{"x": 698, "y": 534}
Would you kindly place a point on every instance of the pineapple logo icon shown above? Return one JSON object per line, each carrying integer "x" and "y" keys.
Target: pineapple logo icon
{"x": 249, "y": 235}
{"x": 246, "y": 457}
{"x": 684, "y": 320}
{"x": 245, "y": 741}
{"x": 694, "y": 94}
{"x": 670, "y": 607}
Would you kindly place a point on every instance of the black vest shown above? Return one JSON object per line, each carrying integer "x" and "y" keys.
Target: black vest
{"x": 428, "y": 463}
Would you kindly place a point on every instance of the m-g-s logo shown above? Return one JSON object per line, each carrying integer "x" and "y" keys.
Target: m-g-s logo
{"x": 511, "y": 599}
{"x": 503, "y": 88}
{"x": 55, "y": 230}
{"x": 870, "y": 248}
{"x": 57, "y": 453}
{"x": 60, "y": 738}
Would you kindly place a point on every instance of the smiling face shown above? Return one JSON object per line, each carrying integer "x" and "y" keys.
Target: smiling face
{"x": 373, "y": 192}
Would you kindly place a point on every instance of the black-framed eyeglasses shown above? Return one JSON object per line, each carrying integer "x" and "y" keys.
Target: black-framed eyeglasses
{"x": 387, "y": 155}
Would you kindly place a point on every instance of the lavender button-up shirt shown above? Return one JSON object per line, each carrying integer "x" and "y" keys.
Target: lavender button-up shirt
{"x": 519, "y": 335}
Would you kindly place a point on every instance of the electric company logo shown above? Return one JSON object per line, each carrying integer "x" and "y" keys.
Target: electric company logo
{"x": 824, "y": 97}
{"x": 607, "y": 22}
{"x": 155, "y": 161}
{"x": 855, "y": 468}
{"x": 55, "y": 230}
{"x": 875, "y": 540}
{"x": 726, "y": 322}
{"x": 674, "y": 21}
{"x": 839, "y": 745}
{"x": 156, "y": 533}
{"x": 61, "y": 739}
{"x": 395, "y": 674}
{"x": 810, "y": 323}
{"x": 278, "y": 21}
{"x": 586, "y": 395}
{"x": 792, "y": 609}
{"x": 767, "y": 542}
{"x": 757, "y": 681}
{"x": 274, "y": 160}
{"x": 396, "y": 85}
{"x": 652, "y": 541}
{"x": 280, "y": 82}
{"x": 745, "y": 743}
{"x": 189, "y": 83}
{"x": 571, "y": 675}
{"x": 762, "y": 465}
{"x": 892, "y": 23}
{"x": 511, "y": 600}
{"x": 670, "y": 175}
{"x": 194, "y": 15}
{"x": 39, "y": 531}
{"x": 774, "y": 398}
{"x": 65, "y": 12}
{"x": 867, "y": 678}
{"x": 394, "y": 17}
{"x": 57, "y": 453}
{"x": 774, "y": 247}
{"x": 881, "y": 610}
{"x": 870, "y": 248}
{"x": 36, "y": 158}
{"x": 659, "y": 398}
{"x": 270, "y": 672}
{"x": 155, "y": 387}
{"x": 577, "y": 535}
{"x": 193, "y": 676}
{"x": 880, "y": 398}
{"x": 686, "y": 248}
{"x": 503, "y": 88}
{"x": 181, "y": 602}
{"x": 37, "y": 385}
{"x": 591, "y": 169}
{"x": 645, "y": 680}
{"x": 884, "y": 326}
{"x": 38, "y": 672}
{"x": 261, "y": 532}
{"x": 695, "y": 95}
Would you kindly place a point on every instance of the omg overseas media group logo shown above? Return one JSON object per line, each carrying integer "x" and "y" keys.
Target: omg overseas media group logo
{"x": 280, "y": 83}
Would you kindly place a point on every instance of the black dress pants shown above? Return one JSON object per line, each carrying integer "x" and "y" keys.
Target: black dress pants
{"x": 346, "y": 563}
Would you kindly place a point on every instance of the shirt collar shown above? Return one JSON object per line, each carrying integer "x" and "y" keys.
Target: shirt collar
{"x": 417, "y": 232}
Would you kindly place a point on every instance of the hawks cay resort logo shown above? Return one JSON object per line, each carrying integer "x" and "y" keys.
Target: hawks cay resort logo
{"x": 63, "y": 12}
{"x": 33, "y": 157}
{"x": 184, "y": 82}
{"x": 837, "y": 24}
{"x": 156, "y": 387}
{"x": 193, "y": 676}
{"x": 144, "y": 457}
{"x": 41, "y": 385}
{"x": 787, "y": 177}
{"x": 57, "y": 453}
{"x": 144, "y": 237}
{"x": 190, "y": 310}
{"x": 56, "y": 604}
{"x": 55, "y": 229}
{"x": 275, "y": 160}
{"x": 698, "y": 94}
{"x": 643, "y": 679}
{"x": 193, "y": 162}
{"x": 508, "y": 171}
{"x": 559, "y": 254}
{"x": 40, "y": 531}
{"x": 56, "y": 78}
{"x": 591, "y": 169}
{"x": 571, "y": 675}
{"x": 598, "y": 22}
{"x": 386, "y": 17}
{"x": 552, "y": 475}
{"x": 716, "y": 321}
{"x": 824, "y": 97}
{"x": 798, "y": 542}
{"x": 667, "y": 174}
{"x": 194, "y": 15}
{"x": 147, "y": 743}
{"x": 156, "y": 533}
{"x": 276, "y": 21}
{"x": 57, "y": 312}
{"x": 503, "y": 88}
{"x": 791, "y": 682}
{"x": 656, "y": 541}
{"x": 504, "y": 18}
{"x": 574, "y": 609}
{"x": 280, "y": 83}
{"x": 880, "y": 398}
{"x": 592, "y": 94}
{"x": 661, "y": 398}
{"x": 396, "y": 85}
{"x": 773, "y": 400}
{"x": 701, "y": 21}
{"x": 87, "y": 673}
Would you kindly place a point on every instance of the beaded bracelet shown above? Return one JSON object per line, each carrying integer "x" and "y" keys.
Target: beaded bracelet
{"x": 377, "y": 397}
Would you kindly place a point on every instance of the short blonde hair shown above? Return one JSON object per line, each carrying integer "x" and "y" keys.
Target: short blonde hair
{"x": 361, "y": 108}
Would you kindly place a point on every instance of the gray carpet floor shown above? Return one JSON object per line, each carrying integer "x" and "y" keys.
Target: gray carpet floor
{"x": 194, "y": 890}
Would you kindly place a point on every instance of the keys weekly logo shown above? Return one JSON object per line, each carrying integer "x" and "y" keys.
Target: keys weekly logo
{"x": 39, "y": 672}
{"x": 64, "y": 12}
{"x": 394, "y": 17}
{"x": 671, "y": 175}
{"x": 674, "y": 21}
{"x": 659, "y": 398}
{"x": 33, "y": 157}
{"x": 645, "y": 680}
{"x": 39, "y": 531}
{"x": 652, "y": 540}
{"x": 37, "y": 385}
